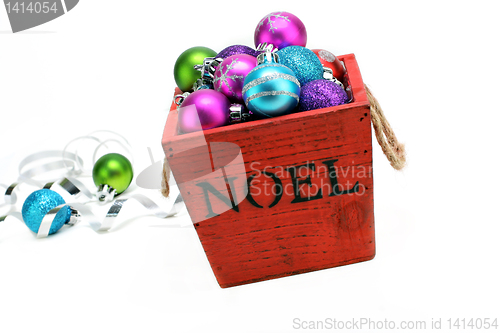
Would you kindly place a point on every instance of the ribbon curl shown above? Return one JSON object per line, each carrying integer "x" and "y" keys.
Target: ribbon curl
{"x": 73, "y": 165}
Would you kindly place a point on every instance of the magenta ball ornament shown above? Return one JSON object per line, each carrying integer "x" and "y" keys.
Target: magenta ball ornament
{"x": 281, "y": 29}
{"x": 231, "y": 73}
{"x": 202, "y": 110}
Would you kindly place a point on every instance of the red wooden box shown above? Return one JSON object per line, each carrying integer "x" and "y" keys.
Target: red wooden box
{"x": 280, "y": 196}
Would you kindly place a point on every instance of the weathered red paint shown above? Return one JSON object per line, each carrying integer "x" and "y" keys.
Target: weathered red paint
{"x": 262, "y": 237}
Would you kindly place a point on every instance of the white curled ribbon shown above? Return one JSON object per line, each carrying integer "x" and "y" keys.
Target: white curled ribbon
{"x": 80, "y": 211}
{"x": 73, "y": 186}
{"x": 73, "y": 165}
{"x": 107, "y": 223}
{"x": 26, "y": 176}
{"x": 70, "y": 162}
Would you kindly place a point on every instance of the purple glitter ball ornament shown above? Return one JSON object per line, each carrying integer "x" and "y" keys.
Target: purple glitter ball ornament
{"x": 320, "y": 94}
{"x": 237, "y": 49}
{"x": 231, "y": 73}
{"x": 281, "y": 29}
{"x": 203, "y": 109}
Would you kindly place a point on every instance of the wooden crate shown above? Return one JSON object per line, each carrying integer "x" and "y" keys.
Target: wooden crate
{"x": 230, "y": 178}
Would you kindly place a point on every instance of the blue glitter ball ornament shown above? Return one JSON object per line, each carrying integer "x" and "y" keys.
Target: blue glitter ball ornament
{"x": 320, "y": 94}
{"x": 271, "y": 89}
{"x": 237, "y": 49}
{"x": 303, "y": 62}
{"x": 39, "y": 203}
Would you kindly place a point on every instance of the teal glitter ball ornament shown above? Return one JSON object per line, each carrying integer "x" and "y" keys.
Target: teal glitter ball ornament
{"x": 270, "y": 89}
{"x": 38, "y": 204}
{"x": 303, "y": 62}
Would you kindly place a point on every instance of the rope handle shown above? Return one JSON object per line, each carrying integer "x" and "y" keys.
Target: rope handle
{"x": 165, "y": 188}
{"x": 392, "y": 148}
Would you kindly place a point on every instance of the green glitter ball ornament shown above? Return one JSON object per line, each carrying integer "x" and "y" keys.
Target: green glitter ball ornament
{"x": 184, "y": 73}
{"x": 114, "y": 170}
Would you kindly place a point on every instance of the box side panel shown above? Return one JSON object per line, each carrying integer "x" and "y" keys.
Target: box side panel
{"x": 272, "y": 233}
{"x": 280, "y": 196}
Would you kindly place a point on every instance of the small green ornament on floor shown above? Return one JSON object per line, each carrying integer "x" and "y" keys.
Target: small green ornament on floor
{"x": 112, "y": 174}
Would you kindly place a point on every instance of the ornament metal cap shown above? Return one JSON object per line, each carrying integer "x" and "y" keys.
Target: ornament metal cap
{"x": 263, "y": 47}
{"x": 105, "y": 193}
{"x": 203, "y": 67}
{"x": 74, "y": 218}
{"x": 212, "y": 67}
{"x": 328, "y": 75}
{"x": 208, "y": 67}
{"x": 268, "y": 53}
{"x": 207, "y": 70}
{"x": 178, "y": 99}
{"x": 238, "y": 113}
{"x": 267, "y": 57}
{"x": 203, "y": 83}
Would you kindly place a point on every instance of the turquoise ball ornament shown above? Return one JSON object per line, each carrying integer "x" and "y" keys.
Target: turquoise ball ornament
{"x": 185, "y": 74}
{"x": 303, "y": 62}
{"x": 38, "y": 204}
{"x": 270, "y": 89}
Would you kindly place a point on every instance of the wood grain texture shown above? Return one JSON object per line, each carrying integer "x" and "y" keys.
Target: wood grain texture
{"x": 250, "y": 233}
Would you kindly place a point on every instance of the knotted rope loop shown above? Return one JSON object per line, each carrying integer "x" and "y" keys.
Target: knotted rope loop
{"x": 392, "y": 148}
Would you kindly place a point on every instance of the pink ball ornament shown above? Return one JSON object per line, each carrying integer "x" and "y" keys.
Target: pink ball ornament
{"x": 231, "y": 73}
{"x": 281, "y": 29}
{"x": 203, "y": 109}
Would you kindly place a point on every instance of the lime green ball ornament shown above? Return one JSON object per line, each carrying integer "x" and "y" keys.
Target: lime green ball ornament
{"x": 114, "y": 170}
{"x": 184, "y": 73}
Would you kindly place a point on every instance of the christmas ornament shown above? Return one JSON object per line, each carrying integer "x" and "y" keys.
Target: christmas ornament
{"x": 303, "y": 62}
{"x": 231, "y": 73}
{"x": 270, "y": 89}
{"x": 329, "y": 60}
{"x": 203, "y": 109}
{"x": 112, "y": 174}
{"x": 236, "y": 49}
{"x": 320, "y": 94}
{"x": 38, "y": 204}
{"x": 281, "y": 29}
{"x": 184, "y": 72}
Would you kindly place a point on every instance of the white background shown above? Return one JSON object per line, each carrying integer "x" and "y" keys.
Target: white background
{"x": 433, "y": 65}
